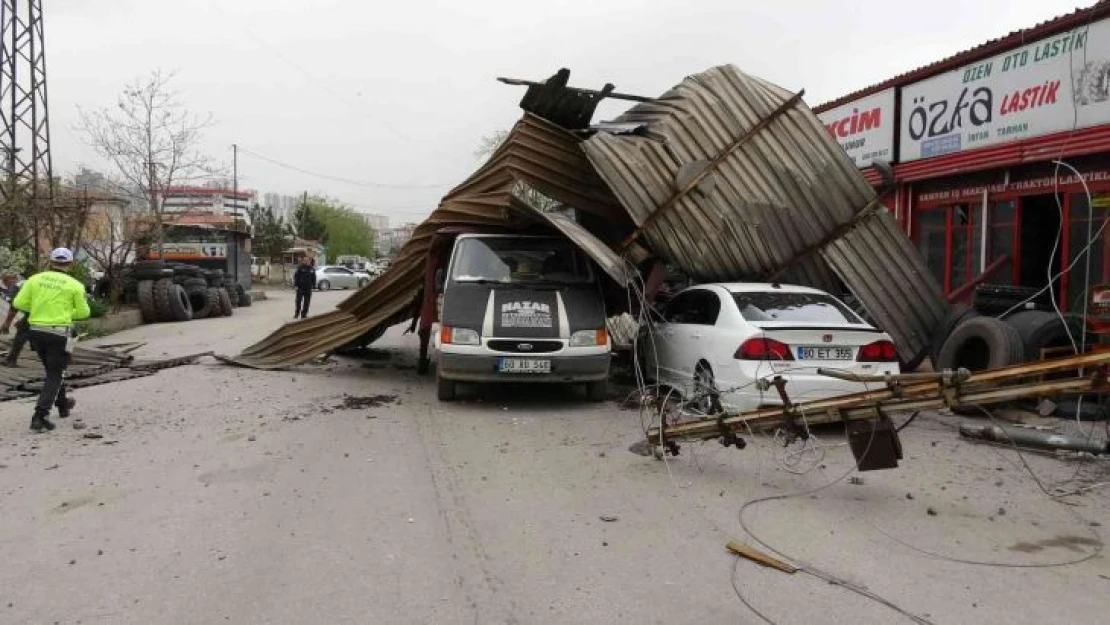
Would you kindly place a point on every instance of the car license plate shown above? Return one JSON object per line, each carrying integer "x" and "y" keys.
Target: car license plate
{"x": 824, "y": 353}
{"x": 524, "y": 365}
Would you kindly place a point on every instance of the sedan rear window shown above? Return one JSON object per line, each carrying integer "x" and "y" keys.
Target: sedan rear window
{"x": 798, "y": 307}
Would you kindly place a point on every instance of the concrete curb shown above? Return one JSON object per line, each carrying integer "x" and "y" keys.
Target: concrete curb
{"x": 114, "y": 322}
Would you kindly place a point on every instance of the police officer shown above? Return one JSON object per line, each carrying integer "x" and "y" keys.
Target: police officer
{"x": 9, "y": 288}
{"x": 53, "y": 300}
{"x": 304, "y": 279}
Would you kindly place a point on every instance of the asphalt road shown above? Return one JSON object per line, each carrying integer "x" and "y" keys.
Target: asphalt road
{"x": 228, "y": 495}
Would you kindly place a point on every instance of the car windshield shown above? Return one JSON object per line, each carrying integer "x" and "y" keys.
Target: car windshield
{"x": 516, "y": 260}
{"x": 806, "y": 308}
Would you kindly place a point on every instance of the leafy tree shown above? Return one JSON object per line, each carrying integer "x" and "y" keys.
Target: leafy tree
{"x": 306, "y": 220}
{"x": 339, "y": 227}
{"x": 271, "y": 233}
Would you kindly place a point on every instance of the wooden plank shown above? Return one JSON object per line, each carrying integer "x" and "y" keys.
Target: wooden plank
{"x": 755, "y": 555}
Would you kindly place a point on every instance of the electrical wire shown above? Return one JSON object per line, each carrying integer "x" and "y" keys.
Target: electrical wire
{"x": 357, "y": 183}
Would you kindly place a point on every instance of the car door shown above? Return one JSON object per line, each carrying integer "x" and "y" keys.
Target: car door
{"x": 344, "y": 278}
{"x": 691, "y": 339}
{"x": 663, "y": 363}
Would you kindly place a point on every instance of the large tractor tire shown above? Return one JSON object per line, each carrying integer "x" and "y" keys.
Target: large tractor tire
{"x": 179, "y": 303}
{"x": 981, "y": 343}
{"x": 146, "y": 301}
{"x": 215, "y": 308}
{"x": 226, "y": 308}
{"x": 162, "y": 307}
{"x": 198, "y": 299}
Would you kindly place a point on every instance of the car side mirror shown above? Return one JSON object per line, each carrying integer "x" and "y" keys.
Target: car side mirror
{"x": 440, "y": 280}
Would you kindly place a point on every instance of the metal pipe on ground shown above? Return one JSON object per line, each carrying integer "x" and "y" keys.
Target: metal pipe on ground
{"x": 1031, "y": 438}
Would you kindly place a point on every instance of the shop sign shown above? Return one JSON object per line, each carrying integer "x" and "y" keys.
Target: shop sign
{"x": 1045, "y": 184}
{"x": 191, "y": 251}
{"x": 1053, "y": 85}
{"x": 864, "y": 127}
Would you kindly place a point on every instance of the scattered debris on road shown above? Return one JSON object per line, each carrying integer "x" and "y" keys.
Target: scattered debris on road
{"x": 353, "y": 402}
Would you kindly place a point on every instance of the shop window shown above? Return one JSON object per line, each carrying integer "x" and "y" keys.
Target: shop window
{"x": 1002, "y": 239}
{"x": 1083, "y": 229}
{"x": 932, "y": 239}
{"x": 966, "y": 235}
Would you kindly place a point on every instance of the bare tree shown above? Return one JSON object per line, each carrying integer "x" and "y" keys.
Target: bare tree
{"x": 151, "y": 140}
{"x": 114, "y": 228}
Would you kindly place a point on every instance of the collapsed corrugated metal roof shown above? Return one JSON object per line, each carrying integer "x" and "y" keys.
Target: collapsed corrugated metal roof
{"x": 726, "y": 176}
{"x": 537, "y": 154}
{"x": 736, "y": 179}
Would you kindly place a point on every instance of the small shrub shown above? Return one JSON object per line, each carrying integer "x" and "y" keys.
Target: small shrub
{"x": 98, "y": 308}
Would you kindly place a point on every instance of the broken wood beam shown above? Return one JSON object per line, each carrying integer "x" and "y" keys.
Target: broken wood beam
{"x": 757, "y": 556}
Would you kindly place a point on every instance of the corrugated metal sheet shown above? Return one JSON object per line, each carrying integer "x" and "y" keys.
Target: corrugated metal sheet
{"x": 783, "y": 197}
{"x": 727, "y": 176}
{"x": 536, "y": 153}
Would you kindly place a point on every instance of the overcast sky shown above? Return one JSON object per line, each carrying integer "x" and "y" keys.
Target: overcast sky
{"x": 400, "y": 93}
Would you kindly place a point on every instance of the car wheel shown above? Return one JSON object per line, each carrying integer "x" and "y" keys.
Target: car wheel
{"x": 706, "y": 399}
{"x": 362, "y": 283}
{"x": 445, "y": 389}
{"x": 323, "y": 285}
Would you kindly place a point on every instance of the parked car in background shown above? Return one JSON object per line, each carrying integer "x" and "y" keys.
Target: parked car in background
{"x": 336, "y": 277}
{"x": 727, "y": 337}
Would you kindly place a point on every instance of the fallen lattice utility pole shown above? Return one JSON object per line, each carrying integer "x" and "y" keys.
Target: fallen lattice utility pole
{"x": 905, "y": 393}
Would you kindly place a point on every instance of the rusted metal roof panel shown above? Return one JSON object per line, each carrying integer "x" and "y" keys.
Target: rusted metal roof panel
{"x": 736, "y": 179}
{"x": 537, "y": 153}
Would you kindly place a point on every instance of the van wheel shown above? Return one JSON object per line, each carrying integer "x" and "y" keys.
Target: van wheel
{"x": 597, "y": 391}
{"x": 323, "y": 285}
{"x": 445, "y": 389}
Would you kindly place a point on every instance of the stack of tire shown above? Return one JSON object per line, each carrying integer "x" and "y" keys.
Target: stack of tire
{"x": 966, "y": 339}
{"x": 178, "y": 292}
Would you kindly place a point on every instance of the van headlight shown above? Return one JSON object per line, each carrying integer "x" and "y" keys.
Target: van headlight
{"x": 589, "y": 338}
{"x": 458, "y": 336}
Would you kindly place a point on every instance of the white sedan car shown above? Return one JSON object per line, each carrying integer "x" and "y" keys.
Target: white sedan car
{"x": 338, "y": 277}
{"x": 729, "y": 336}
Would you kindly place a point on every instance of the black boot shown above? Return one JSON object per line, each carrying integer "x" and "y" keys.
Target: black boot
{"x": 41, "y": 424}
{"x": 63, "y": 410}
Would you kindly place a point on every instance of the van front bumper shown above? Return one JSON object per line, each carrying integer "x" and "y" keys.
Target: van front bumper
{"x": 484, "y": 368}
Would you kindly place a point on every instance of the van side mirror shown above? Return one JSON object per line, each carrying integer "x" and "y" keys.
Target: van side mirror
{"x": 441, "y": 279}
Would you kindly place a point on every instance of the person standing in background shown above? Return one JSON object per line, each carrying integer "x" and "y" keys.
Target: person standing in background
{"x": 9, "y": 288}
{"x": 304, "y": 280}
{"x": 53, "y": 300}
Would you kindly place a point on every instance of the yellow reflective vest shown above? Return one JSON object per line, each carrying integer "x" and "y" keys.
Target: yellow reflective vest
{"x": 52, "y": 298}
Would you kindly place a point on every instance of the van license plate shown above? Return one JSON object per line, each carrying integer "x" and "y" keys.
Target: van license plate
{"x": 824, "y": 353}
{"x": 524, "y": 365}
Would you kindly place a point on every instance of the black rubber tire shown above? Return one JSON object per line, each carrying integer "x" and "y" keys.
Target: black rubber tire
{"x": 146, "y": 301}
{"x": 323, "y": 285}
{"x": 363, "y": 282}
{"x": 148, "y": 265}
{"x": 981, "y": 343}
{"x": 1040, "y": 329}
{"x": 214, "y": 307}
{"x": 233, "y": 294}
{"x": 226, "y": 309}
{"x": 191, "y": 271}
{"x": 151, "y": 274}
{"x": 240, "y": 295}
{"x": 162, "y": 308}
{"x": 597, "y": 391}
{"x": 446, "y": 390}
{"x": 191, "y": 283}
{"x": 245, "y": 300}
{"x": 216, "y": 278}
{"x": 200, "y": 302}
{"x": 1091, "y": 410}
{"x": 179, "y": 303}
{"x": 705, "y": 389}
{"x": 955, "y": 316}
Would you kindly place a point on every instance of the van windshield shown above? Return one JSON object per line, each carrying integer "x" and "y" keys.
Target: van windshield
{"x": 510, "y": 260}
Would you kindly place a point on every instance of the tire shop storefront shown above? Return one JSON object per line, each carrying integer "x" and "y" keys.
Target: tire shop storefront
{"x": 1001, "y": 161}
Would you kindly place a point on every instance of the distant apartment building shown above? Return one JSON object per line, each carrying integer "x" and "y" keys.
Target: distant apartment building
{"x": 89, "y": 180}
{"x": 208, "y": 200}
{"x": 389, "y": 241}
{"x": 378, "y": 223}
{"x": 284, "y": 206}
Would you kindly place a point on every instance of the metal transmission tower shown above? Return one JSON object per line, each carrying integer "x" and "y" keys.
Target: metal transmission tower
{"x": 24, "y": 125}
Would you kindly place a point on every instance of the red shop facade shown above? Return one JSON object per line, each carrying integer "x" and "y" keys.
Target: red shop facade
{"x": 1000, "y": 156}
